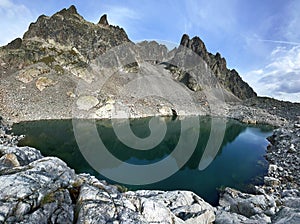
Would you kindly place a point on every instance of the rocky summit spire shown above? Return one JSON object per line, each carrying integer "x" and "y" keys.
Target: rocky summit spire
{"x": 103, "y": 20}
{"x": 72, "y": 9}
{"x": 185, "y": 40}
{"x": 195, "y": 44}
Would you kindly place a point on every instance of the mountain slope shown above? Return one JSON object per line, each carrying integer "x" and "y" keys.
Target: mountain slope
{"x": 59, "y": 52}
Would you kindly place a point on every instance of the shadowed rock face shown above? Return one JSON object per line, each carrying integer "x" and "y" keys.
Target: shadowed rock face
{"x": 230, "y": 79}
{"x": 15, "y": 44}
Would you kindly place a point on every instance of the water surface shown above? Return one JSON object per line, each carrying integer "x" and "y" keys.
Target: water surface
{"x": 239, "y": 163}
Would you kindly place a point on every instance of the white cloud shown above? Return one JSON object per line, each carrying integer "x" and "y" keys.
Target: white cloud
{"x": 280, "y": 78}
{"x": 15, "y": 19}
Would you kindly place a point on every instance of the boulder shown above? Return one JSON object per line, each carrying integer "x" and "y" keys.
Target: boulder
{"x": 271, "y": 181}
{"x": 234, "y": 218}
{"x": 287, "y": 215}
{"x": 86, "y": 102}
{"x": 44, "y": 82}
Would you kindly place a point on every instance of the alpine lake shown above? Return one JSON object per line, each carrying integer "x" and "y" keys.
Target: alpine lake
{"x": 238, "y": 163}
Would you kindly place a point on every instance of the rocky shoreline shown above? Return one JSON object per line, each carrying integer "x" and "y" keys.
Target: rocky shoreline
{"x": 39, "y": 189}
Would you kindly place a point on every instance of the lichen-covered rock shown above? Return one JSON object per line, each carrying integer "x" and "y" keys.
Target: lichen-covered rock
{"x": 223, "y": 217}
{"x": 44, "y": 82}
{"x": 287, "y": 215}
{"x": 24, "y": 155}
{"x": 37, "y": 192}
{"x": 185, "y": 205}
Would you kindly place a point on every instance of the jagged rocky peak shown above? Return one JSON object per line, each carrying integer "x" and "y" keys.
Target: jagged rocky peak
{"x": 72, "y": 9}
{"x": 68, "y": 28}
{"x": 103, "y": 20}
{"x": 230, "y": 79}
{"x": 195, "y": 44}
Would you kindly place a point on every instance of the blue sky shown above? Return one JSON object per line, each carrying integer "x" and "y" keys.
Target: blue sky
{"x": 258, "y": 38}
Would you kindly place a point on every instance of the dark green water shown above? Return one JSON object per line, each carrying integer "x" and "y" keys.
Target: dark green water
{"x": 239, "y": 162}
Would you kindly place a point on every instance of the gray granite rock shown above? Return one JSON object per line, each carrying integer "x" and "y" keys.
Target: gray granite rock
{"x": 234, "y": 218}
{"x": 287, "y": 215}
{"x": 37, "y": 192}
{"x": 37, "y": 189}
{"x": 255, "y": 207}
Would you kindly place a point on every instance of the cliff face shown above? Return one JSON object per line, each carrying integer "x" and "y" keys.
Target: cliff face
{"x": 230, "y": 79}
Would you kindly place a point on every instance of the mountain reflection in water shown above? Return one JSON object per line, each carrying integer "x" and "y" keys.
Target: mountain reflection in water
{"x": 239, "y": 163}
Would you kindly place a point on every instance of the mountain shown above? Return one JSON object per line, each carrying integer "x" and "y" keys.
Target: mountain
{"x": 40, "y": 73}
{"x": 230, "y": 79}
{"x": 65, "y": 33}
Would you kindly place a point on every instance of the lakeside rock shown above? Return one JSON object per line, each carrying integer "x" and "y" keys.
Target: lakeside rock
{"x": 37, "y": 189}
{"x": 277, "y": 201}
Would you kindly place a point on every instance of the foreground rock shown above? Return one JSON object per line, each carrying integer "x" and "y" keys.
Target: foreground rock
{"x": 37, "y": 189}
{"x": 237, "y": 207}
{"x": 242, "y": 207}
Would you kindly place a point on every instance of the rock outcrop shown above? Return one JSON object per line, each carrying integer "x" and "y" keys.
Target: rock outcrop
{"x": 103, "y": 20}
{"x": 15, "y": 44}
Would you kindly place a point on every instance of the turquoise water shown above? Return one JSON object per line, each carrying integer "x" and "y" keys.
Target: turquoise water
{"x": 239, "y": 163}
